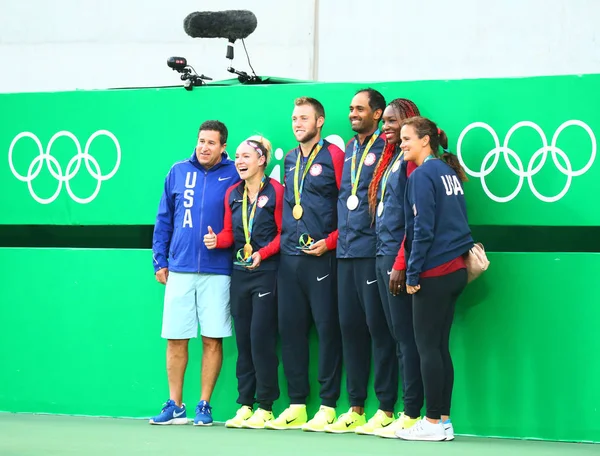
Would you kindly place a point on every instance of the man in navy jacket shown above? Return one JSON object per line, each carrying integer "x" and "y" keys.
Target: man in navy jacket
{"x": 307, "y": 270}
{"x": 197, "y": 279}
{"x": 363, "y": 325}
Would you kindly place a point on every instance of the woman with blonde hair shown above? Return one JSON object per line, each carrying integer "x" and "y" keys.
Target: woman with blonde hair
{"x": 253, "y": 211}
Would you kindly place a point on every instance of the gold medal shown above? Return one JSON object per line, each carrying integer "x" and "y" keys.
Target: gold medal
{"x": 247, "y": 251}
{"x": 380, "y": 209}
{"x": 299, "y": 185}
{"x": 297, "y": 212}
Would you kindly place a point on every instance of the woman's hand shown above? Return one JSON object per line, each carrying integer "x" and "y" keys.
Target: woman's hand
{"x": 210, "y": 239}
{"x": 397, "y": 281}
{"x": 412, "y": 290}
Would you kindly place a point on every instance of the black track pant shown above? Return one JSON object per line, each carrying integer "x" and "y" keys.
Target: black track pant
{"x": 365, "y": 330}
{"x": 399, "y": 315}
{"x": 254, "y": 312}
{"x": 307, "y": 293}
{"x": 433, "y": 312}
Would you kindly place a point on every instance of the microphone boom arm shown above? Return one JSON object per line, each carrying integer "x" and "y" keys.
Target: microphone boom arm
{"x": 243, "y": 77}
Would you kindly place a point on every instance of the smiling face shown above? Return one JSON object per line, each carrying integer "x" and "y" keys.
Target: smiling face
{"x": 415, "y": 149}
{"x": 362, "y": 118}
{"x": 391, "y": 124}
{"x": 209, "y": 148}
{"x": 248, "y": 161}
{"x": 305, "y": 123}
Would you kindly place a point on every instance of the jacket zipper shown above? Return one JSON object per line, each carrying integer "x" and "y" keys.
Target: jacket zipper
{"x": 202, "y": 220}
{"x": 301, "y": 171}
{"x": 348, "y": 214}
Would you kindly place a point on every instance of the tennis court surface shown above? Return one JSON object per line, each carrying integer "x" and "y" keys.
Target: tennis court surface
{"x": 41, "y": 435}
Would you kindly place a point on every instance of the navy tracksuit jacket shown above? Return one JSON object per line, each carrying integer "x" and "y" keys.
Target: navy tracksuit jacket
{"x": 306, "y": 283}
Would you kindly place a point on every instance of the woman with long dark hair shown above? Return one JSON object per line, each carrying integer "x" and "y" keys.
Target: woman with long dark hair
{"x": 437, "y": 239}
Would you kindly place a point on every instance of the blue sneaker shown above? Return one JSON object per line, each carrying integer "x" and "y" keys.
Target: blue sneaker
{"x": 171, "y": 414}
{"x": 203, "y": 414}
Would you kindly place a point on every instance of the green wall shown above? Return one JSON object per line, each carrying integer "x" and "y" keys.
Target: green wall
{"x": 81, "y": 327}
{"x": 156, "y": 127}
{"x": 81, "y": 335}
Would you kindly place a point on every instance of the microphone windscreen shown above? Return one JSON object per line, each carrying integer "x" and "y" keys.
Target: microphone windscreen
{"x": 232, "y": 24}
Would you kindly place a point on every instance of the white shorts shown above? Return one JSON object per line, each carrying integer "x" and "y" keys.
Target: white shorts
{"x": 192, "y": 299}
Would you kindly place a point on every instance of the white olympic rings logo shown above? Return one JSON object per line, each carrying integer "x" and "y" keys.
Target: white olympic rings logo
{"x": 72, "y": 167}
{"x": 520, "y": 172}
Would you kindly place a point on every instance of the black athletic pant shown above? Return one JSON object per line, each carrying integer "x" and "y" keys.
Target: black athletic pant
{"x": 399, "y": 315}
{"x": 307, "y": 293}
{"x": 433, "y": 312}
{"x": 254, "y": 311}
{"x": 365, "y": 329}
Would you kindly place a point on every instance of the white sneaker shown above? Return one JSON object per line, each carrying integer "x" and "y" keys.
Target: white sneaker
{"x": 424, "y": 430}
{"x": 449, "y": 430}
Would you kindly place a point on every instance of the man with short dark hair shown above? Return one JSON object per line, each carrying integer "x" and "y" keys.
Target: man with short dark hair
{"x": 362, "y": 318}
{"x": 197, "y": 279}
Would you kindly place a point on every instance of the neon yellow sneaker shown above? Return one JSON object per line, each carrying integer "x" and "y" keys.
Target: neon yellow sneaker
{"x": 243, "y": 413}
{"x": 292, "y": 417}
{"x": 347, "y": 422}
{"x": 403, "y": 422}
{"x": 325, "y": 416}
{"x": 379, "y": 420}
{"x": 258, "y": 420}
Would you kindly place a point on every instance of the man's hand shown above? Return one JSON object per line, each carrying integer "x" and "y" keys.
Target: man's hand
{"x": 317, "y": 249}
{"x": 256, "y": 259}
{"x": 397, "y": 281}
{"x": 210, "y": 239}
{"x": 162, "y": 275}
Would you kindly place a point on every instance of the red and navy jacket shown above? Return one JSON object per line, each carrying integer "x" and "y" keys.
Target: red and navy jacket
{"x": 437, "y": 227}
{"x": 357, "y": 237}
{"x": 318, "y": 200}
{"x": 390, "y": 225}
{"x": 266, "y": 229}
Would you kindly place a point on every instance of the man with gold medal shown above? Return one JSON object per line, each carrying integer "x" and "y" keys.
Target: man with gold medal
{"x": 307, "y": 285}
{"x": 362, "y": 319}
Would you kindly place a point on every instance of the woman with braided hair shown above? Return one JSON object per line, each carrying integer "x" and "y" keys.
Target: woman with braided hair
{"x": 386, "y": 201}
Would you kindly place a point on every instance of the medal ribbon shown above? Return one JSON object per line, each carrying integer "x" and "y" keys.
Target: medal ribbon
{"x": 387, "y": 173}
{"x": 249, "y": 224}
{"x": 355, "y": 175}
{"x": 311, "y": 158}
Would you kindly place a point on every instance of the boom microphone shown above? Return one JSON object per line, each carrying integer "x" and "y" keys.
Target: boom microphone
{"x": 232, "y": 24}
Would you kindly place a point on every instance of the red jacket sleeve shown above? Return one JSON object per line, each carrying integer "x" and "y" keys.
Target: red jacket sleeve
{"x": 272, "y": 247}
{"x": 337, "y": 157}
{"x": 400, "y": 263}
{"x": 225, "y": 237}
